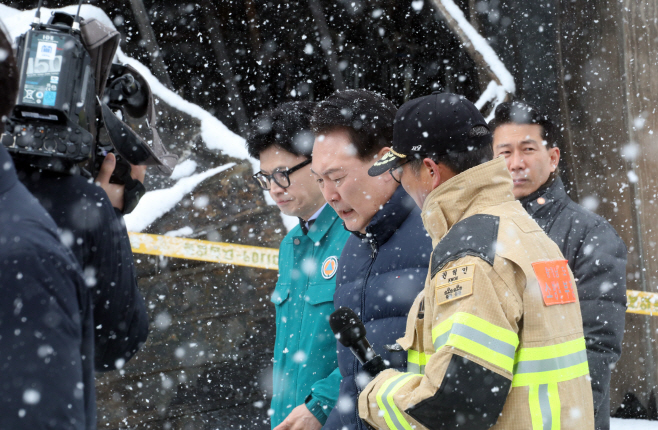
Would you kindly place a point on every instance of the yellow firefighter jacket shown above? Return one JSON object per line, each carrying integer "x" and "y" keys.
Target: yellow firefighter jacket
{"x": 496, "y": 337}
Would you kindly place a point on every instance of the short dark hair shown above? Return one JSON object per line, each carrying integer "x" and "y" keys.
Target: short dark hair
{"x": 367, "y": 117}
{"x": 520, "y": 112}
{"x": 8, "y": 74}
{"x": 288, "y": 126}
{"x": 458, "y": 162}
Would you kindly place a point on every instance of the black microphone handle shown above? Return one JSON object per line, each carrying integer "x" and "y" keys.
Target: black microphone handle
{"x": 350, "y": 332}
{"x": 370, "y": 361}
{"x": 362, "y": 350}
{"x": 374, "y": 366}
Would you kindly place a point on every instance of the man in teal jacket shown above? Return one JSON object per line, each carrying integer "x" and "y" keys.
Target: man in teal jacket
{"x": 306, "y": 383}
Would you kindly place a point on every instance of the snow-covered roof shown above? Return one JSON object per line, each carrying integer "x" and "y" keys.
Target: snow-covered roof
{"x": 214, "y": 133}
{"x": 156, "y": 203}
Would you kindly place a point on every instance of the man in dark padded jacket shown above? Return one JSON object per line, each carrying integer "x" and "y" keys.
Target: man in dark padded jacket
{"x": 88, "y": 213}
{"x": 596, "y": 254}
{"x": 46, "y": 323}
{"x": 383, "y": 265}
{"x": 91, "y": 224}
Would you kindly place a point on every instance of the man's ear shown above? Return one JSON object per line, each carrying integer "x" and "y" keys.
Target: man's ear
{"x": 434, "y": 171}
{"x": 554, "y": 154}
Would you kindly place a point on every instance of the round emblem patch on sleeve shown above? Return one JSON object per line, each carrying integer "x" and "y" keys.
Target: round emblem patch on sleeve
{"x": 329, "y": 267}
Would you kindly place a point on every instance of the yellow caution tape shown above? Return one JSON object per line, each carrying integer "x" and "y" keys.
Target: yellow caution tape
{"x": 203, "y": 250}
{"x": 639, "y": 302}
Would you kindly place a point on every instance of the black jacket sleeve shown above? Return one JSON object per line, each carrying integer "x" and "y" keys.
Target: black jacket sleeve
{"x": 120, "y": 318}
{"x": 96, "y": 234}
{"x": 41, "y": 339}
{"x": 600, "y": 271}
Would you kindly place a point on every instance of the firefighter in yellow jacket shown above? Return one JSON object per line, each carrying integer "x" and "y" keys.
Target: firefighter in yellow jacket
{"x": 496, "y": 338}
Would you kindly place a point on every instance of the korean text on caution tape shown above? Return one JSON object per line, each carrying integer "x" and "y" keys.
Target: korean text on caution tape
{"x": 202, "y": 250}
{"x": 639, "y": 302}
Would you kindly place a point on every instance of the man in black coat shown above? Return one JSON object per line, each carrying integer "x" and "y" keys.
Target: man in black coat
{"x": 384, "y": 262}
{"x": 596, "y": 253}
{"x": 46, "y": 323}
{"x": 92, "y": 225}
{"x": 89, "y": 220}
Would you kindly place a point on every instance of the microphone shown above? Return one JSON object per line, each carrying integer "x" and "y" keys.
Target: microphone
{"x": 351, "y": 333}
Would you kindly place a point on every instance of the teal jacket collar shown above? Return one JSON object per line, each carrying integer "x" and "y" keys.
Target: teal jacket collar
{"x": 322, "y": 224}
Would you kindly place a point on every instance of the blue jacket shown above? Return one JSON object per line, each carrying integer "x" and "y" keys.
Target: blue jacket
{"x": 305, "y": 367}
{"x": 46, "y": 321}
{"x": 379, "y": 276}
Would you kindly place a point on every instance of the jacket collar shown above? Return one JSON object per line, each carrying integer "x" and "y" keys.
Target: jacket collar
{"x": 389, "y": 218}
{"x": 554, "y": 192}
{"x": 314, "y": 217}
{"x": 8, "y": 176}
{"x": 466, "y": 194}
{"x": 322, "y": 224}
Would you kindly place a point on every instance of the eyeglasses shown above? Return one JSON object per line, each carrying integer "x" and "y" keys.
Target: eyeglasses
{"x": 281, "y": 178}
{"x": 396, "y": 172}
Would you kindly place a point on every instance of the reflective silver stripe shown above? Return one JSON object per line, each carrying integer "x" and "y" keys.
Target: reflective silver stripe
{"x": 545, "y": 406}
{"x": 476, "y": 336}
{"x": 442, "y": 340}
{"x": 391, "y": 412}
{"x": 413, "y": 367}
{"x": 556, "y": 363}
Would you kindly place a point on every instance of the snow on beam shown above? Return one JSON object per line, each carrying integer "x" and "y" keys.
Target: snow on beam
{"x": 495, "y": 94}
{"x": 156, "y": 203}
{"x": 476, "y": 45}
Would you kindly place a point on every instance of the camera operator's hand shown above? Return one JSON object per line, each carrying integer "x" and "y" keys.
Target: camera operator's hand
{"x": 115, "y": 191}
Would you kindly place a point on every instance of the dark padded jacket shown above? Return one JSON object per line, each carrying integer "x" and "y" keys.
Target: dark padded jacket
{"x": 46, "y": 323}
{"x": 597, "y": 258}
{"x": 379, "y": 276}
{"x": 97, "y": 235}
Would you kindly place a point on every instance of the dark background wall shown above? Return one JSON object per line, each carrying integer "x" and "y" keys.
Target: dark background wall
{"x": 206, "y": 364}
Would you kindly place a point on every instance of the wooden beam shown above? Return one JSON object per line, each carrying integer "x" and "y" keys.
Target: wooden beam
{"x": 567, "y": 136}
{"x": 254, "y": 34}
{"x": 214, "y": 34}
{"x": 158, "y": 66}
{"x": 477, "y": 57}
{"x": 483, "y": 76}
{"x": 327, "y": 45}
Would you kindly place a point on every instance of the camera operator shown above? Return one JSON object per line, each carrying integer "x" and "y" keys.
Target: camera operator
{"x": 46, "y": 323}
{"x": 92, "y": 225}
{"x": 88, "y": 213}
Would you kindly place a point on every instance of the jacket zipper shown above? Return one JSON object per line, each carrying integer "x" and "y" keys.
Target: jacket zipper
{"x": 373, "y": 255}
{"x": 375, "y": 250}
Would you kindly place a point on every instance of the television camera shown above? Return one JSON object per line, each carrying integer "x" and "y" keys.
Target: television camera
{"x": 74, "y": 105}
